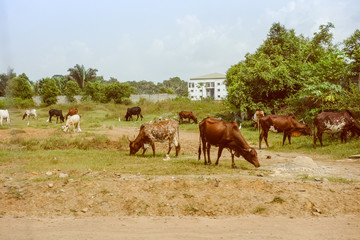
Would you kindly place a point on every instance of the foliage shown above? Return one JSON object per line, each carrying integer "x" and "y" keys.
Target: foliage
{"x": 352, "y": 50}
{"x": 95, "y": 90}
{"x": 118, "y": 92}
{"x": 4, "y": 78}
{"x": 81, "y": 75}
{"x": 19, "y": 87}
{"x": 49, "y": 91}
{"x": 71, "y": 89}
{"x": 177, "y": 86}
{"x": 289, "y": 71}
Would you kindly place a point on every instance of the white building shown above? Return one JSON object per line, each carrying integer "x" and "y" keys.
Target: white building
{"x": 210, "y": 85}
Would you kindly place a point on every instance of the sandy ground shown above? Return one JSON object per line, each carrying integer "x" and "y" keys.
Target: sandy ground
{"x": 269, "y": 203}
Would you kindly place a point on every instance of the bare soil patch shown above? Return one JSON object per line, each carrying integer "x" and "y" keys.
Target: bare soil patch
{"x": 264, "y": 202}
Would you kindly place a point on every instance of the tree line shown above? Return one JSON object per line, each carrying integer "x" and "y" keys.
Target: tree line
{"x": 302, "y": 75}
{"x": 81, "y": 81}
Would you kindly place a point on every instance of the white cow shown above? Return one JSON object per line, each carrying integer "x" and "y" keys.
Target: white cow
{"x": 29, "y": 113}
{"x": 73, "y": 121}
{"x": 4, "y": 114}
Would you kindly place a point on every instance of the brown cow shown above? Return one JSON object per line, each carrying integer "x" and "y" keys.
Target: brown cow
{"x": 224, "y": 135}
{"x": 280, "y": 123}
{"x": 186, "y": 114}
{"x": 72, "y": 111}
{"x": 156, "y": 132}
{"x": 331, "y": 122}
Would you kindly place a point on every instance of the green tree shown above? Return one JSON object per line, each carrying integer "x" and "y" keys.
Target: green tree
{"x": 80, "y": 75}
{"x": 49, "y": 91}
{"x": 118, "y": 92}
{"x": 352, "y": 51}
{"x": 71, "y": 89}
{"x": 96, "y": 91}
{"x": 282, "y": 66}
{"x": 19, "y": 87}
{"x": 177, "y": 85}
{"x": 4, "y": 78}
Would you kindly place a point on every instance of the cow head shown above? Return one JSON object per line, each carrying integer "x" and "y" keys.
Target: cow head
{"x": 250, "y": 155}
{"x": 134, "y": 147}
{"x": 195, "y": 119}
{"x": 24, "y": 116}
{"x": 62, "y": 118}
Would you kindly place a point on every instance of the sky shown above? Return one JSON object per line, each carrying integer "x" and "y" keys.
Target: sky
{"x": 153, "y": 40}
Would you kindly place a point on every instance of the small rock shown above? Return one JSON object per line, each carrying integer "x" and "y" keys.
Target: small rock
{"x": 50, "y": 185}
{"x": 260, "y": 175}
{"x": 317, "y": 179}
{"x": 268, "y": 157}
{"x": 302, "y": 190}
{"x": 63, "y": 175}
{"x": 49, "y": 173}
{"x": 84, "y": 210}
{"x": 217, "y": 182}
{"x": 172, "y": 177}
{"x": 138, "y": 174}
{"x": 34, "y": 173}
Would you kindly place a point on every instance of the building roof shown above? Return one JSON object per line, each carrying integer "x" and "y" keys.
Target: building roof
{"x": 210, "y": 76}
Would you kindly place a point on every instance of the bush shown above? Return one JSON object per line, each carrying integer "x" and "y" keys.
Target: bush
{"x": 18, "y": 103}
{"x": 49, "y": 91}
{"x": 71, "y": 89}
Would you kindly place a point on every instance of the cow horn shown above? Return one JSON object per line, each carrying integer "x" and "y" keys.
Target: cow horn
{"x": 249, "y": 149}
{"x": 129, "y": 139}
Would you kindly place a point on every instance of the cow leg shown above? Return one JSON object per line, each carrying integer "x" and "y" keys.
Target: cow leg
{"x": 289, "y": 138}
{"x": 153, "y": 148}
{"x": 343, "y": 136}
{"x": 319, "y": 135}
{"x": 233, "y": 161}
{"x": 265, "y": 138}
{"x": 204, "y": 149}
{"x": 260, "y": 138}
{"x": 50, "y": 118}
{"x": 141, "y": 116}
{"x": 315, "y": 137}
{"x": 219, "y": 154}
{"x": 170, "y": 144}
{"x": 144, "y": 150}
{"x": 137, "y": 117}
{"x": 208, "y": 152}
{"x": 177, "y": 148}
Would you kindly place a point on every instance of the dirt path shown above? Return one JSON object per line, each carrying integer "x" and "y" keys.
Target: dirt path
{"x": 271, "y": 203}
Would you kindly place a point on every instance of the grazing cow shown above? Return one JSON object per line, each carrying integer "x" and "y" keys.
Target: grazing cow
{"x": 57, "y": 113}
{"x": 156, "y": 132}
{"x": 188, "y": 115}
{"x": 224, "y": 135}
{"x": 72, "y": 111}
{"x": 29, "y": 113}
{"x": 280, "y": 123}
{"x": 4, "y": 114}
{"x": 74, "y": 122}
{"x": 256, "y": 118}
{"x": 332, "y": 122}
{"x": 133, "y": 111}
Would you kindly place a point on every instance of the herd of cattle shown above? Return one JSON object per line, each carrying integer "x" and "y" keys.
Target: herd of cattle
{"x": 215, "y": 132}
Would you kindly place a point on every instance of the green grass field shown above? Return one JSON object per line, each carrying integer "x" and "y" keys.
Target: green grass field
{"x": 92, "y": 150}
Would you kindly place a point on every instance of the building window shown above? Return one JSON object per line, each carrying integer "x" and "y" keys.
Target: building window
{"x": 192, "y": 90}
{"x": 218, "y": 84}
{"x": 218, "y": 89}
{"x": 212, "y": 84}
{"x": 218, "y": 96}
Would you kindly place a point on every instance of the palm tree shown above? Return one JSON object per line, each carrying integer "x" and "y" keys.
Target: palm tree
{"x": 81, "y": 75}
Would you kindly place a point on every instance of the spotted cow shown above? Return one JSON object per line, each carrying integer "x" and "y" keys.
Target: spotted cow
{"x": 334, "y": 122}
{"x": 156, "y": 132}
{"x": 28, "y": 113}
